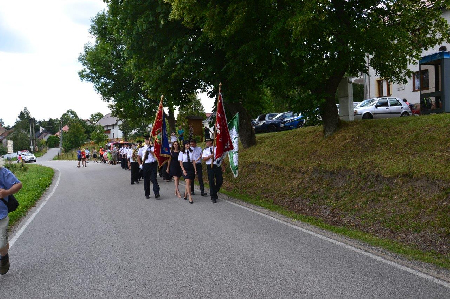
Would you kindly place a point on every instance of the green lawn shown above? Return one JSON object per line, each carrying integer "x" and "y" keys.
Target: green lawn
{"x": 35, "y": 180}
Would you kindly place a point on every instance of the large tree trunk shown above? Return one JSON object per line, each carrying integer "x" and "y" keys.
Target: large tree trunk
{"x": 330, "y": 115}
{"x": 246, "y": 132}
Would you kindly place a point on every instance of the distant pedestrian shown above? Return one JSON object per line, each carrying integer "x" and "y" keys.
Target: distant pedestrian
{"x": 132, "y": 157}
{"x": 9, "y": 184}
{"x": 78, "y": 157}
{"x": 181, "y": 135}
{"x": 83, "y": 157}
{"x": 207, "y": 133}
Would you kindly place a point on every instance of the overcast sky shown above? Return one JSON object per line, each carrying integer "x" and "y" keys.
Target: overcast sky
{"x": 40, "y": 42}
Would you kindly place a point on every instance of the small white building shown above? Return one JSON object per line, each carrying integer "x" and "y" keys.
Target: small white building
{"x": 376, "y": 86}
{"x": 111, "y": 126}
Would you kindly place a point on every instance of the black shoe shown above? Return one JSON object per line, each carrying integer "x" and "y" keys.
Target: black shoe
{"x": 214, "y": 200}
{"x": 204, "y": 194}
{"x": 147, "y": 197}
{"x": 157, "y": 196}
{"x": 191, "y": 202}
{"x": 4, "y": 265}
{"x": 132, "y": 183}
{"x": 192, "y": 193}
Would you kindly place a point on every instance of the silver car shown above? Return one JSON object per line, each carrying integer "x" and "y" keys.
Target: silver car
{"x": 28, "y": 157}
{"x": 380, "y": 108}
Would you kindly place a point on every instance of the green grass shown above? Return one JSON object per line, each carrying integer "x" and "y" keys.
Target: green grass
{"x": 385, "y": 182}
{"x": 35, "y": 180}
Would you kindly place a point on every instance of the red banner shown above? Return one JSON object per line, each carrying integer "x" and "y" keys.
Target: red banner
{"x": 159, "y": 135}
{"x": 223, "y": 140}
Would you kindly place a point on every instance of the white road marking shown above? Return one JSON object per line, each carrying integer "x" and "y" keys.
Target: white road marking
{"x": 22, "y": 229}
{"x": 373, "y": 256}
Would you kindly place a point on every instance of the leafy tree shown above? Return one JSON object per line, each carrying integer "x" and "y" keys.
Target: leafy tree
{"x": 3, "y": 150}
{"x": 106, "y": 67}
{"x": 74, "y": 137}
{"x": 193, "y": 108}
{"x": 96, "y": 117}
{"x": 21, "y": 134}
{"x": 309, "y": 46}
{"x": 52, "y": 125}
{"x": 98, "y": 135}
{"x": 53, "y": 141}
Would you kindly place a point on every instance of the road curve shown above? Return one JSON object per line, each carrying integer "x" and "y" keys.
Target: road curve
{"x": 93, "y": 235}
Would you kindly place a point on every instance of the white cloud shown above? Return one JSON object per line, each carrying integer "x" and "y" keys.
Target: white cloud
{"x": 44, "y": 76}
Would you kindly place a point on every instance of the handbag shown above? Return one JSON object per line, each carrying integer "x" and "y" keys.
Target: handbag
{"x": 12, "y": 203}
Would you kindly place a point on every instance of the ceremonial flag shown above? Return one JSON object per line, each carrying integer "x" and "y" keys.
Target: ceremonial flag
{"x": 222, "y": 138}
{"x": 159, "y": 134}
{"x": 233, "y": 127}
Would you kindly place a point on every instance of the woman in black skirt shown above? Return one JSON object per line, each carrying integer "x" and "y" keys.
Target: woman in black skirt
{"x": 186, "y": 162}
{"x": 174, "y": 167}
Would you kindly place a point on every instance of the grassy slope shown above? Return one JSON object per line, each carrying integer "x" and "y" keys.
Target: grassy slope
{"x": 383, "y": 181}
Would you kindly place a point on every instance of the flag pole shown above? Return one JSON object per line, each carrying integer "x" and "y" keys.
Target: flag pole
{"x": 215, "y": 127}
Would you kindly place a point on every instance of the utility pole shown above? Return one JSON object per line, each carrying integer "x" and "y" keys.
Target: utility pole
{"x": 30, "y": 120}
{"x": 60, "y": 137}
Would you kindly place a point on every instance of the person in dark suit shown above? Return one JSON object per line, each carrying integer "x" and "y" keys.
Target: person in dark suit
{"x": 149, "y": 165}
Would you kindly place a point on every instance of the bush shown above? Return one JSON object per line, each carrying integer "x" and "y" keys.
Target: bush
{"x": 53, "y": 141}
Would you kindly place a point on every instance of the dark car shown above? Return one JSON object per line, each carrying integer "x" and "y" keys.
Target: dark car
{"x": 292, "y": 123}
{"x": 261, "y": 119}
{"x": 277, "y": 123}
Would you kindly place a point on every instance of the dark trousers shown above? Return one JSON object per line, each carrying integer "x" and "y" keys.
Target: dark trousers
{"x": 199, "y": 177}
{"x": 215, "y": 179}
{"x": 134, "y": 171}
{"x": 150, "y": 172}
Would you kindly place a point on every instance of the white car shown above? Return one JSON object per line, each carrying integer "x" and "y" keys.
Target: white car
{"x": 28, "y": 157}
{"x": 380, "y": 108}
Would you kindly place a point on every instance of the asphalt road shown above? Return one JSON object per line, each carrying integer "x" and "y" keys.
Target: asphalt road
{"x": 93, "y": 235}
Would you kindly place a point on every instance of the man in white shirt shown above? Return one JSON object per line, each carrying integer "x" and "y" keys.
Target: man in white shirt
{"x": 215, "y": 176}
{"x": 149, "y": 165}
{"x": 198, "y": 166}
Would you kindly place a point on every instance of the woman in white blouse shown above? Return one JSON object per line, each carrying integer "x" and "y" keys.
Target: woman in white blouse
{"x": 186, "y": 158}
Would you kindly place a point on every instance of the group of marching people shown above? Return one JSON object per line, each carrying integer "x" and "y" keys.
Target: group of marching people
{"x": 186, "y": 160}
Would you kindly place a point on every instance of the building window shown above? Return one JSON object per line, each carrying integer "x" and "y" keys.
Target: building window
{"x": 421, "y": 81}
{"x": 380, "y": 88}
{"x": 381, "y": 84}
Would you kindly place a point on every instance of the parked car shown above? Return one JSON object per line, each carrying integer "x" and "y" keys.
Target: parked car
{"x": 10, "y": 156}
{"x": 292, "y": 123}
{"x": 274, "y": 124}
{"x": 263, "y": 117}
{"x": 258, "y": 122}
{"x": 379, "y": 108}
{"x": 28, "y": 157}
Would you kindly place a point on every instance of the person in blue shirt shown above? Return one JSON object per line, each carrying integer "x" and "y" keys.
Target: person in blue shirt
{"x": 9, "y": 184}
{"x": 79, "y": 157}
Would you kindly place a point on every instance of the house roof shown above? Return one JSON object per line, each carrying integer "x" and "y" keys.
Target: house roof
{"x": 107, "y": 120}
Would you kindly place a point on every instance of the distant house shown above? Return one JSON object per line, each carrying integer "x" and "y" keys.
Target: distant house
{"x": 4, "y": 136}
{"x": 111, "y": 126}
{"x": 65, "y": 129}
{"x": 43, "y": 135}
{"x": 421, "y": 80}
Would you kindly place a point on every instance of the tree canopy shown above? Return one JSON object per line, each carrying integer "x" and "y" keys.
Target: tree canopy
{"x": 297, "y": 52}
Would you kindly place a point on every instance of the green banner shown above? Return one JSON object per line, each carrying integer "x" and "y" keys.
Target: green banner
{"x": 233, "y": 128}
